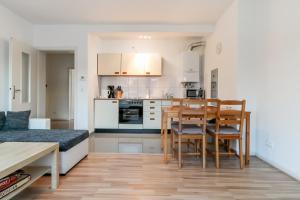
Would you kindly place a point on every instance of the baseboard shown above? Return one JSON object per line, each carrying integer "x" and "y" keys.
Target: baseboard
{"x": 135, "y": 131}
{"x": 279, "y": 167}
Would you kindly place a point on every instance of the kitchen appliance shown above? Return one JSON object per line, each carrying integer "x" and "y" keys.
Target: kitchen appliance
{"x": 195, "y": 93}
{"x": 130, "y": 111}
{"x": 111, "y": 91}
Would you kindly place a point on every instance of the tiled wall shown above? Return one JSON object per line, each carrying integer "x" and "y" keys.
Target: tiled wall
{"x": 142, "y": 87}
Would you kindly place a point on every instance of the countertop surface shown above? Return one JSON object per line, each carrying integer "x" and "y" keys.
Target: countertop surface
{"x": 132, "y": 99}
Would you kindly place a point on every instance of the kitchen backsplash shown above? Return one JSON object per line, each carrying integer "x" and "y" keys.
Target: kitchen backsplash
{"x": 142, "y": 87}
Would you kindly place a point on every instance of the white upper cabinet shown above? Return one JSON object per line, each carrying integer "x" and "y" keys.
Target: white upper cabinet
{"x": 109, "y": 64}
{"x": 129, "y": 64}
{"x": 132, "y": 64}
{"x": 153, "y": 66}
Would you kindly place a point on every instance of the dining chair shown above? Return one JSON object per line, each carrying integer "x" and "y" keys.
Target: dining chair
{"x": 212, "y": 109}
{"x": 175, "y": 104}
{"x": 191, "y": 126}
{"x": 229, "y": 126}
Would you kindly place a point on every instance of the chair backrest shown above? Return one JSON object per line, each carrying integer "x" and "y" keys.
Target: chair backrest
{"x": 212, "y": 107}
{"x": 193, "y": 112}
{"x": 231, "y": 112}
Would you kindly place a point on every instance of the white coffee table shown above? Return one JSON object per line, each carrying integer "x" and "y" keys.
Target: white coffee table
{"x": 20, "y": 155}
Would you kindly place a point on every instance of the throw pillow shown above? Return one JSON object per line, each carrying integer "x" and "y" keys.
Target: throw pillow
{"x": 2, "y": 119}
{"x": 17, "y": 120}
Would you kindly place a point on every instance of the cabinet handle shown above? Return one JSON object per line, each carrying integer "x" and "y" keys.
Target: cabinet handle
{"x": 152, "y": 107}
{"x": 148, "y": 73}
{"x": 114, "y": 101}
{"x": 124, "y": 72}
{"x": 117, "y": 72}
{"x": 152, "y": 113}
{"x": 152, "y": 101}
{"x": 152, "y": 119}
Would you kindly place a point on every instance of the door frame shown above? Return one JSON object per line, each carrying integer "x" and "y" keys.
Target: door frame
{"x": 75, "y": 50}
{"x": 16, "y": 45}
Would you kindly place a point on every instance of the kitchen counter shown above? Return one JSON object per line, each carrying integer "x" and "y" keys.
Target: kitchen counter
{"x": 164, "y": 99}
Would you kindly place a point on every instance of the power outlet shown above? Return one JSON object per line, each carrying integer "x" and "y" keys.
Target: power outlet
{"x": 269, "y": 144}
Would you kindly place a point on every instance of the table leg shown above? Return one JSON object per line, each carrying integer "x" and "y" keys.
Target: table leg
{"x": 165, "y": 138}
{"x": 54, "y": 170}
{"x": 162, "y": 131}
{"x": 247, "y": 160}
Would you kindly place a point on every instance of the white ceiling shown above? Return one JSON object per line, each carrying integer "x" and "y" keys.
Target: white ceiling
{"x": 118, "y": 11}
{"x": 153, "y": 35}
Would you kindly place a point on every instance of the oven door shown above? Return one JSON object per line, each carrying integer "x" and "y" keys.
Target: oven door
{"x": 131, "y": 115}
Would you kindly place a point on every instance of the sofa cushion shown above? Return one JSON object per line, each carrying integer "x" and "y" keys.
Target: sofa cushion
{"x": 224, "y": 130}
{"x": 66, "y": 138}
{"x": 17, "y": 120}
{"x": 2, "y": 120}
{"x": 188, "y": 129}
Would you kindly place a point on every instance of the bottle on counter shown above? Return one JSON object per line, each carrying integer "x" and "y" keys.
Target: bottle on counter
{"x": 119, "y": 92}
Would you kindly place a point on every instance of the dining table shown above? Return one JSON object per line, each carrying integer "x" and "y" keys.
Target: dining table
{"x": 171, "y": 112}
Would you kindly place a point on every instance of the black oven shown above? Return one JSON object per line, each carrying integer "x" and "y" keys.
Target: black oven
{"x": 131, "y": 111}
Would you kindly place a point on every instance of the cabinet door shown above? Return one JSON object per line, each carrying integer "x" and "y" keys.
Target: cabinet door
{"x": 152, "y": 121}
{"x": 106, "y": 114}
{"x": 132, "y": 64}
{"x": 153, "y": 67}
{"x": 109, "y": 64}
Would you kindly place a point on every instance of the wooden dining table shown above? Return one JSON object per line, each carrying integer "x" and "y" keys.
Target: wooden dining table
{"x": 173, "y": 111}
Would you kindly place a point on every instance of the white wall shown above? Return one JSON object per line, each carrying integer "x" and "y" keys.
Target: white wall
{"x": 75, "y": 37}
{"x": 226, "y": 33}
{"x": 266, "y": 60}
{"x": 41, "y": 86}
{"x": 11, "y": 26}
{"x": 92, "y": 76}
{"x": 171, "y": 51}
{"x": 57, "y": 92}
{"x": 278, "y": 97}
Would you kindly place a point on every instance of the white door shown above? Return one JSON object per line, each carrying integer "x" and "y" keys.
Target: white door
{"x": 22, "y": 77}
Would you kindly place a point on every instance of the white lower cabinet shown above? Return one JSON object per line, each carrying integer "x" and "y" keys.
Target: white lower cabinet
{"x": 106, "y": 114}
{"x": 152, "y": 114}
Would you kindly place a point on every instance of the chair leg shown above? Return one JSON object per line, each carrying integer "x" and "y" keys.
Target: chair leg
{"x": 217, "y": 152}
{"x": 203, "y": 151}
{"x": 228, "y": 148}
{"x": 162, "y": 139}
{"x": 179, "y": 151}
{"x": 172, "y": 143}
{"x": 241, "y": 153}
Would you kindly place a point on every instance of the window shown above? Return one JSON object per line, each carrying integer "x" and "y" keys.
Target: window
{"x": 25, "y": 77}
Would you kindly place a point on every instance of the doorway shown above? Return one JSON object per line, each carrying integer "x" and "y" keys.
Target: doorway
{"x": 59, "y": 97}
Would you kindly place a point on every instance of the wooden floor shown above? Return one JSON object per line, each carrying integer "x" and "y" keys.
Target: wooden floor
{"x": 144, "y": 176}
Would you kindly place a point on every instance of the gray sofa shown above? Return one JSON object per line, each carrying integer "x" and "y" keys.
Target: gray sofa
{"x": 73, "y": 144}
